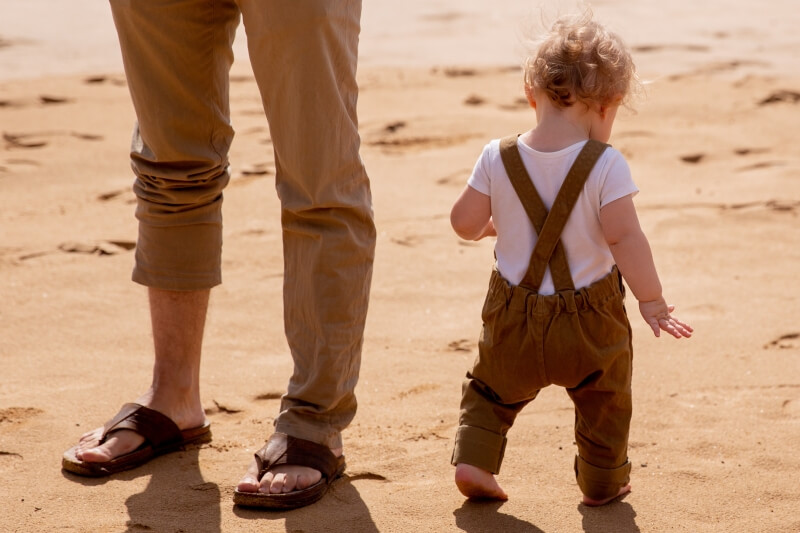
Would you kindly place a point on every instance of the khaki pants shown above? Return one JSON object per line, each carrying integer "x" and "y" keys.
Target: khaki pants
{"x": 580, "y": 340}
{"x": 177, "y": 56}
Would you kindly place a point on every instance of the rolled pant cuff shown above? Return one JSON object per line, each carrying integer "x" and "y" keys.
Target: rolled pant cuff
{"x": 479, "y": 447}
{"x": 179, "y": 258}
{"x": 601, "y": 483}
{"x": 175, "y": 283}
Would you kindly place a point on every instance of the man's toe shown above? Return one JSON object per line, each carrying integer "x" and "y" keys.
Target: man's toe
{"x": 249, "y": 483}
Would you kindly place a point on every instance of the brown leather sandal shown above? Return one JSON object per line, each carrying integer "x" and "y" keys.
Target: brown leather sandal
{"x": 282, "y": 449}
{"x": 160, "y": 433}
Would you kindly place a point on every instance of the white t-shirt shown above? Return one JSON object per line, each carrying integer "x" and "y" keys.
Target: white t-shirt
{"x": 587, "y": 253}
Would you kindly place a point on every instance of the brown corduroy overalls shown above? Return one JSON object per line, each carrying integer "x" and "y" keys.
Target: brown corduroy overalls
{"x": 578, "y": 339}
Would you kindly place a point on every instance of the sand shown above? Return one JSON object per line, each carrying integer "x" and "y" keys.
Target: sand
{"x": 716, "y": 427}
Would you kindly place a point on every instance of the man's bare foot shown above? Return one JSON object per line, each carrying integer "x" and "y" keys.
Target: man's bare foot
{"x": 596, "y": 503}
{"x": 477, "y": 483}
{"x": 282, "y": 478}
{"x": 125, "y": 441}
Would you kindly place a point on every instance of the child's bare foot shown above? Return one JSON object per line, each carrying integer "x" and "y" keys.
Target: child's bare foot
{"x": 477, "y": 483}
{"x": 596, "y": 503}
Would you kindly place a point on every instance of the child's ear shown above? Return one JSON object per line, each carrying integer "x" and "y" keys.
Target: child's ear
{"x": 530, "y": 96}
{"x": 602, "y": 109}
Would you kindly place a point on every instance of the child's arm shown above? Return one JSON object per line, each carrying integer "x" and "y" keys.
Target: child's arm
{"x": 471, "y": 216}
{"x": 632, "y": 253}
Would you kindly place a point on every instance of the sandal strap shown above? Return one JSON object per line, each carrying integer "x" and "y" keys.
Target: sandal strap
{"x": 155, "y": 427}
{"x": 283, "y": 449}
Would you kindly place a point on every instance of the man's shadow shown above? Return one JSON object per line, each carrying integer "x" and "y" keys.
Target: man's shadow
{"x": 482, "y": 516}
{"x": 176, "y": 499}
{"x": 617, "y": 516}
{"x": 342, "y": 509}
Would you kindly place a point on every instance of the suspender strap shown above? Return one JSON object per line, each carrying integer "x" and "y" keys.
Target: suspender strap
{"x": 537, "y": 212}
{"x": 548, "y": 226}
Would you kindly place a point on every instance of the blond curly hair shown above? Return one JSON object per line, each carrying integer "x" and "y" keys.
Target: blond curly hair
{"x": 579, "y": 60}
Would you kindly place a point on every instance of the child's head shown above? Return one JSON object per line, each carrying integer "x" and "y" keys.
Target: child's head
{"x": 578, "y": 60}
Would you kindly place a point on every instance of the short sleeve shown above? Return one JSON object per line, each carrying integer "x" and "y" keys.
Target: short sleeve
{"x": 480, "y": 180}
{"x": 617, "y": 181}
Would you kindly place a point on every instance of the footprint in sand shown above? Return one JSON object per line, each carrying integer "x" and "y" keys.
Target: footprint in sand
{"x": 419, "y": 389}
{"x": 107, "y": 196}
{"x": 646, "y": 48}
{"x": 461, "y": 345}
{"x": 474, "y": 100}
{"x": 99, "y": 248}
{"x": 100, "y": 79}
{"x": 693, "y": 158}
{"x": 48, "y": 99}
{"x": 18, "y": 415}
{"x": 454, "y": 72}
{"x": 222, "y": 407}
{"x": 750, "y": 151}
{"x": 388, "y": 139}
{"x": 409, "y": 240}
{"x": 35, "y": 140}
{"x": 784, "y": 342}
{"x": 272, "y": 395}
{"x": 394, "y": 126}
{"x": 420, "y": 142}
{"x": 256, "y": 169}
{"x": 760, "y": 165}
{"x": 781, "y": 96}
{"x": 369, "y": 476}
{"x": 22, "y": 140}
{"x": 9, "y": 103}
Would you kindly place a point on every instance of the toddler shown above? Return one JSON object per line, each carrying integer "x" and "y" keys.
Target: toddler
{"x": 559, "y": 201}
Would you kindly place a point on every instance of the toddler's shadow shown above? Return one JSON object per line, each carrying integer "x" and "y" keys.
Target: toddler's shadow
{"x": 617, "y": 516}
{"x": 482, "y": 516}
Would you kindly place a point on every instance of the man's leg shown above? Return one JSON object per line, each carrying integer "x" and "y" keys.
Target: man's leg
{"x": 304, "y": 56}
{"x": 177, "y": 55}
{"x": 178, "y": 319}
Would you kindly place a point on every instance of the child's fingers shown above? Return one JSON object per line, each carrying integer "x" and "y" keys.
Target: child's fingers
{"x": 655, "y": 326}
{"x": 675, "y": 327}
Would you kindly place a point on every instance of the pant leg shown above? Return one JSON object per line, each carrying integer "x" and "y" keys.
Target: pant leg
{"x": 506, "y": 376}
{"x": 601, "y": 393}
{"x": 484, "y": 421}
{"x": 304, "y": 55}
{"x": 602, "y": 425}
{"x": 177, "y": 55}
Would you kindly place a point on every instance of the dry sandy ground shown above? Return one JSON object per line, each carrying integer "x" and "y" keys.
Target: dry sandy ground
{"x": 716, "y": 429}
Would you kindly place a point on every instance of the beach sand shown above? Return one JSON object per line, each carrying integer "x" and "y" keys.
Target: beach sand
{"x": 716, "y": 427}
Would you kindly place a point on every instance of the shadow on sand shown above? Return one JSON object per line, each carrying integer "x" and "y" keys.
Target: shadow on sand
{"x": 342, "y": 509}
{"x": 482, "y": 516}
{"x": 177, "y": 498}
{"x": 617, "y": 516}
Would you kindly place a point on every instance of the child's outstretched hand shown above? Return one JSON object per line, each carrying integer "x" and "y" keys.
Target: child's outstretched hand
{"x": 657, "y": 314}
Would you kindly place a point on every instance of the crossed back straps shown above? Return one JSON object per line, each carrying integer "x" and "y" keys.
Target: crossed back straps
{"x": 548, "y": 226}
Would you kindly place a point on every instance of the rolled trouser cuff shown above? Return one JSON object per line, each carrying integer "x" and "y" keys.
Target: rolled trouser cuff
{"x": 601, "y": 483}
{"x": 179, "y": 258}
{"x": 479, "y": 447}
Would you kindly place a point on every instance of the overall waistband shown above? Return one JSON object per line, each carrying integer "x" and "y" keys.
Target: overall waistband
{"x": 524, "y": 300}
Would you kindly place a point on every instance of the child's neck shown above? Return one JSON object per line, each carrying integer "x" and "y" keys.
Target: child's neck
{"x": 559, "y": 128}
